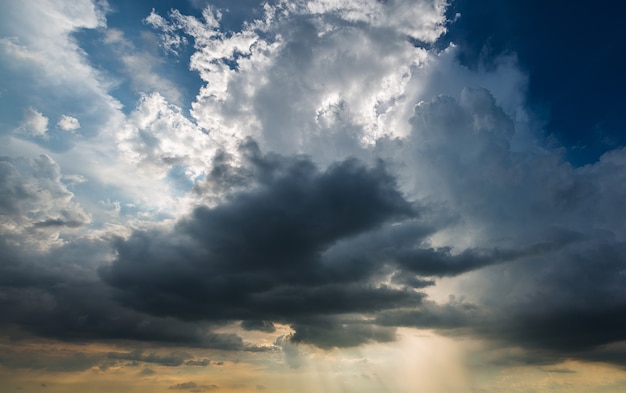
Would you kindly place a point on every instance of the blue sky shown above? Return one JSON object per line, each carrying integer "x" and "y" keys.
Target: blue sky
{"x": 312, "y": 195}
{"x": 571, "y": 52}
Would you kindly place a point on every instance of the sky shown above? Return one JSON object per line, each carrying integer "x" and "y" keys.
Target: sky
{"x": 312, "y": 196}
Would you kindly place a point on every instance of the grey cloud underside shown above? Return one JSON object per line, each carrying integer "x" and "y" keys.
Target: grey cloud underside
{"x": 569, "y": 305}
{"x": 86, "y": 312}
{"x": 328, "y": 332}
{"x": 258, "y": 256}
{"x": 69, "y": 360}
{"x": 55, "y": 294}
{"x": 262, "y": 326}
{"x": 574, "y": 305}
{"x": 301, "y": 246}
{"x": 48, "y": 360}
{"x": 172, "y": 359}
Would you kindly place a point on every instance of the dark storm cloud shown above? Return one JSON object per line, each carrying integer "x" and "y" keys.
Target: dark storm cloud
{"x": 457, "y": 314}
{"x": 173, "y": 359}
{"x": 414, "y": 258}
{"x": 262, "y": 326}
{"x": 574, "y": 305}
{"x": 296, "y": 245}
{"x": 257, "y": 257}
{"x": 569, "y": 305}
{"x": 62, "y": 298}
{"x": 87, "y": 312}
{"x": 56, "y": 294}
{"x": 53, "y": 290}
{"x": 330, "y": 332}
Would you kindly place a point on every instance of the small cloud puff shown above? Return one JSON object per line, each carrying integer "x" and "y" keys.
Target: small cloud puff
{"x": 68, "y": 123}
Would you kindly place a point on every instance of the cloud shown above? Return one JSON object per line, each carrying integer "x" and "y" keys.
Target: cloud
{"x": 141, "y": 65}
{"x": 55, "y": 293}
{"x": 68, "y": 123}
{"x": 290, "y": 351}
{"x": 41, "y": 54}
{"x": 53, "y": 360}
{"x": 170, "y": 41}
{"x": 259, "y": 252}
{"x": 158, "y": 138}
{"x": 198, "y": 363}
{"x": 455, "y": 316}
{"x": 171, "y": 360}
{"x": 36, "y": 204}
{"x": 557, "y": 296}
{"x": 34, "y": 302}
{"x": 185, "y": 385}
{"x": 322, "y": 73}
{"x": 34, "y": 123}
{"x": 330, "y": 332}
{"x": 70, "y": 303}
{"x": 193, "y": 387}
{"x": 481, "y": 199}
{"x": 147, "y": 371}
{"x": 571, "y": 306}
{"x": 262, "y": 326}
{"x": 420, "y": 20}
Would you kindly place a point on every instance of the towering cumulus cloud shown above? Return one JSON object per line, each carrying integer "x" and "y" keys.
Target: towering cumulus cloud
{"x": 268, "y": 184}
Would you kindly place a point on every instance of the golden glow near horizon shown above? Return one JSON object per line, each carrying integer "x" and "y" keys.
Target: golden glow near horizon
{"x": 418, "y": 361}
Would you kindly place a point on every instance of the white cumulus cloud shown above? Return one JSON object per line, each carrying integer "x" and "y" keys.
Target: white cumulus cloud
{"x": 68, "y": 123}
{"x": 34, "y": 123}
